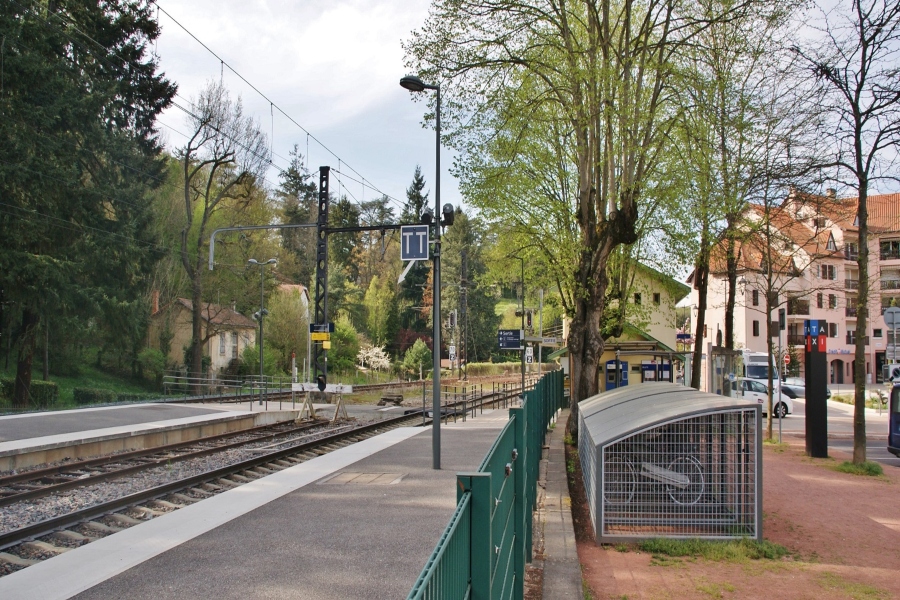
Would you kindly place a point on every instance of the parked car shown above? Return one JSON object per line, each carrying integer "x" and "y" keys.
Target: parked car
{"x": 752, "y": 389}
{"x": 798, "y": 386}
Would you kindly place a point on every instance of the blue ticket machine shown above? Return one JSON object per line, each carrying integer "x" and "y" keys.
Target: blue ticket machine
{"x": 648, "y": 370}
{"x": 611, "y": 374}
{"x": 665, "y": 370}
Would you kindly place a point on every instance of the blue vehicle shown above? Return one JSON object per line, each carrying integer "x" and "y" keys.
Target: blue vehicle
{"x": 894, "y": 415}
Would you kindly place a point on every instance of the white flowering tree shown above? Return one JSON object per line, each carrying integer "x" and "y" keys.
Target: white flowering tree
{"x": 373, "y": 357}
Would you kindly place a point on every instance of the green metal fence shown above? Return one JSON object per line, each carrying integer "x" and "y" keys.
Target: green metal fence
{"x": 482, "y": 553}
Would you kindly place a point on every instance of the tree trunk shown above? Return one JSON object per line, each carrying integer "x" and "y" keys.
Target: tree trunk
{"x": 862, "y": 317}
{"x": 22, "y": 395}
{"x": 731, "y": 266}
{"x": 701, "y": 282}
{"x": 196, "y": 336}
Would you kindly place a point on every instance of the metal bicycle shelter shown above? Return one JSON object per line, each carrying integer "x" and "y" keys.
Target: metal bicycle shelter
{"x": 664, "y": 460}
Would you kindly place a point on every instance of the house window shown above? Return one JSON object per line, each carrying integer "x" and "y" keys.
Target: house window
{"x": 851, "y": 336}
{"x": 851, "y": 251}
{"x": 877, "y": 333}
{"x": 222, "y": 344}
{"x": 831, "y": 246}
{"x": 832, "y": 301}
{"x": 832, "y": 330}
{"x": 827, "y": 272}
{"x": 755, "y": 298}
{"x": 890, "y": 249}
{"x": 234, "y": 344}
{"x": 819, "y": 222}
{"x": 820, "y": 300}
{"x": 656, "y": 299}
{"x": 755, "y": 328}
{"x": 637, "y": 298}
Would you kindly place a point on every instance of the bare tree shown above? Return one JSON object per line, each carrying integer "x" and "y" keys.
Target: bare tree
{"x": 223, "y": 159}
{"x": 856, "y": 62}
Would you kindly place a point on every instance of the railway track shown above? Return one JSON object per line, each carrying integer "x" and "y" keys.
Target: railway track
{"x": 37, "y": 483}
{"x": 30, "y": 544}
{"x": 33, "y": 543}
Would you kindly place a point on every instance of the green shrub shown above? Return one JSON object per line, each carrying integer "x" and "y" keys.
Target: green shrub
{"x": 153, "y": 364}
{"x": 41, "y": 393}
{"x": 93, "y": 396}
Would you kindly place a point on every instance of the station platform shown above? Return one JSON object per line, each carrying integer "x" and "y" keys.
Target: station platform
{"x": 359, "y": 522}
{"x": 43, "y": 437}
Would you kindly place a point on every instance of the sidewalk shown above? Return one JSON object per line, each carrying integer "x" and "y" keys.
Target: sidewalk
{"x": 554, "y": 532}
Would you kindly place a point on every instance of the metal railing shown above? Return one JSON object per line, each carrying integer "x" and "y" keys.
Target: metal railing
{"x": 890, "y": 284}
{"x": 851, "y": 284}
{"x": 483, "y": 551}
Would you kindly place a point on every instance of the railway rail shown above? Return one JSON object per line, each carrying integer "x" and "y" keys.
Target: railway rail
{"x": 32, "y": 484}
{"x": 30, "y": 544}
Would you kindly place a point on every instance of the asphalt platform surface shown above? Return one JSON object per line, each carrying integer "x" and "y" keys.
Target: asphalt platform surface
{"x": 359, "y": 522}
{"x": 44, "y": 424}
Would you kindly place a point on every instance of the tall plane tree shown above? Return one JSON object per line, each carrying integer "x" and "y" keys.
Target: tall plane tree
{"x": 856, "y": 63}
{"x": 225, "y": 155}
{"x": 79, "y": 97}
{"x": 604, "y": 67}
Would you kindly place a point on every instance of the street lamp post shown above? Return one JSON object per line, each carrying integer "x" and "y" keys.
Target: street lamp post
{"x": 414, "y": 84}
{"x": 261, "y": 315}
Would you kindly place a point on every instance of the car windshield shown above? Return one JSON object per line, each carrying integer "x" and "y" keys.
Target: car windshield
{"x": 758, "y": 371}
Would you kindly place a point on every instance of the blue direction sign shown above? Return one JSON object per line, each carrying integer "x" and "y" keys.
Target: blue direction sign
{"x": 327, "y": 327}
{"x": 414, "y": 242}
{"x": 510, "y": 339}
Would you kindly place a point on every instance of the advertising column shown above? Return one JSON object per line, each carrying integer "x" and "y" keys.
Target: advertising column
{"x": 816, "y": 388}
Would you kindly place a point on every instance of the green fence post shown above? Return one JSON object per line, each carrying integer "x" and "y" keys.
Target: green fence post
{"x": 519, "y": 519}
{"x": 481, "y": 549}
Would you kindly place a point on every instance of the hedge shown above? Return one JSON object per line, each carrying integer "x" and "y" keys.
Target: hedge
{"x": 93, "y": 396}
{"x": 136, "y": 396}
{"x": 42, "y": 393}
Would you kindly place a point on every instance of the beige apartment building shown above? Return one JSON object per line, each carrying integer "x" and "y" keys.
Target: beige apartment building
{"x": 811, "y": 271}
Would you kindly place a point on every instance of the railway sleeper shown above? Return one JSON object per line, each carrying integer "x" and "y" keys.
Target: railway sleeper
{"x": 162, "y": 505}
{"x": 42, "y": 547}
{"x": 182, "y": 499}
{"x": 69, "y": 536}
{"x": 227, "y": 483}
{"x": 18, "y": 561}
{"x": 102, "y": 527}
{"x": 239, "y": 478}
{"x": 143, "y": 513}
{"x": 120, "y": 520}
{"x": 210, "y": 487}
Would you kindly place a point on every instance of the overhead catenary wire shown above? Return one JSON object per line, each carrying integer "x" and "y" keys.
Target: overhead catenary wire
{"x": 272, "y": 103}
{"x": 69, "y": 25}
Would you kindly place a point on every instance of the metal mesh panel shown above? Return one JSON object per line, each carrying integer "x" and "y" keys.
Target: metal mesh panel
{"x": 692, "y": 478}
{"x": 587, "y": 455}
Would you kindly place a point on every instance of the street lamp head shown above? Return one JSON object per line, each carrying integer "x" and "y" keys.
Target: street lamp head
{"x": 271, "y": 261}
{"x": 414, "y": 84}
{"x": 253, "y": 261}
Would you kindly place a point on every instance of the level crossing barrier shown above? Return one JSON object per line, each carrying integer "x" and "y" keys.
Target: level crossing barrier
{"x": 482, "y": 553}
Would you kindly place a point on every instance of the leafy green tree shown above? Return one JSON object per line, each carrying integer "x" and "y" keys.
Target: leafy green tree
{"x": 417, "y": 358}
{"x": 467, "y": 290}
{"x": 344, "y": 346}
{"x": 287, "y": 328}
{"x": 595, "y": 73}
{"x": 78, "y": 103}
{"x": 380, "y": 307}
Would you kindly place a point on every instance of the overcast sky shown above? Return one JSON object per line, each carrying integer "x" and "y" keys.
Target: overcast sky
{"x": 333, "y": 65}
